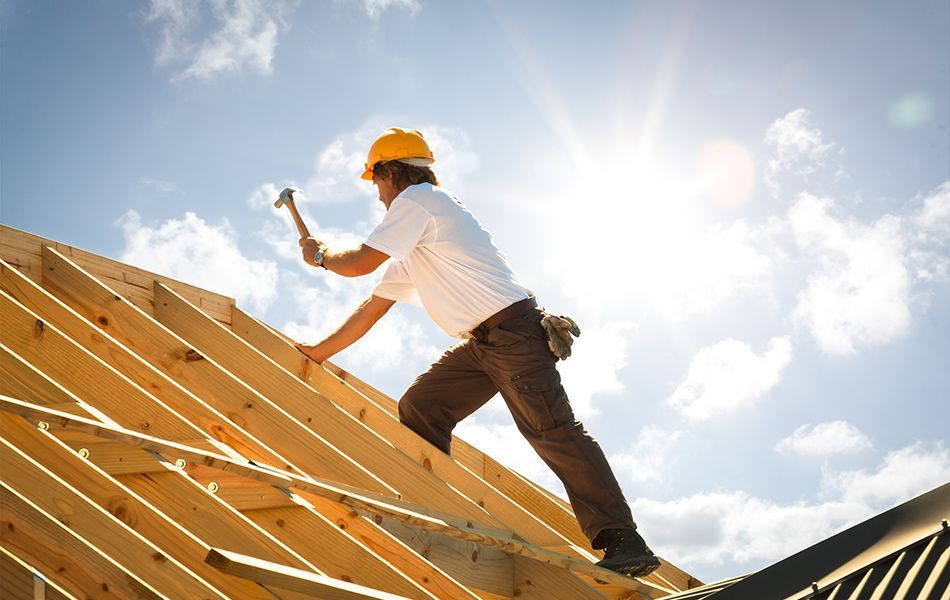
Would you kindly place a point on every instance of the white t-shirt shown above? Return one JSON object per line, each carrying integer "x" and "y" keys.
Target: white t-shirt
{"x": 443, "y": 260}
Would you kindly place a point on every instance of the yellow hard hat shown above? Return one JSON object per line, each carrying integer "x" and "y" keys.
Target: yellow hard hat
{"x": 396, "y": 143}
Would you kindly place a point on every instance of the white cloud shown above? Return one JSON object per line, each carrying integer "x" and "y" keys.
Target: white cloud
{"x": 596, "y": 359}
{"x": 200, "y": 254}
{"x": 903, "y": 474}
{"x": 245, "y": 36}
{"x": 933, "y": 218}
{"x": 860, "y": 294}
{"x": 729, "y": 375}
{"x": 823, "y": 439}
{"x": 506, "y": 444}
{"x": 175, "y": 17}
{"x": 651, "y": 457}
{"x": 930, "y": 254}
{"x": 799, "y": 148}
{"x": 375, "y": 8}
{"x": 713, "y": 527}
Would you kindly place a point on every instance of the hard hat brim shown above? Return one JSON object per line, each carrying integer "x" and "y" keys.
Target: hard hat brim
{"x": 367, "y": 174}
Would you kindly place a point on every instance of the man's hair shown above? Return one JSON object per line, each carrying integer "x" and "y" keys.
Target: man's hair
{"x": 402, "y": 175}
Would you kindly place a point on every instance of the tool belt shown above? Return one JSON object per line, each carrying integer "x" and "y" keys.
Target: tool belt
{"x": 515, "y": 310}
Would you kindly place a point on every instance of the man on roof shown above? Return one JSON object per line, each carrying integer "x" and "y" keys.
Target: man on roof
{"x": 445, "y": 261}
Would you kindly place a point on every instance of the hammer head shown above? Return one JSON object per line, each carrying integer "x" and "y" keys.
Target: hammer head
{"x": 285, "y": 196}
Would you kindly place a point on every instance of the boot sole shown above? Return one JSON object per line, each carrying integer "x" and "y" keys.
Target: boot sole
{"x": 637, "y": 569}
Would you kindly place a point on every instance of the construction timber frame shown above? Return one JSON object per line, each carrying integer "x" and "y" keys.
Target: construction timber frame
{"x": 158, "y": 441}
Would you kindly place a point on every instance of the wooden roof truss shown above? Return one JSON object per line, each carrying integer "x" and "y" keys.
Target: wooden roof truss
{"x": 158, "y": 441}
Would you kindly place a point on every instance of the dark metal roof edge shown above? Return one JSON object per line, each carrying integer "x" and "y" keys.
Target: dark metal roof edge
{"x": 792, "y": 576}
{"x": 826, "y": 585}
{"x": 706, "y": 590}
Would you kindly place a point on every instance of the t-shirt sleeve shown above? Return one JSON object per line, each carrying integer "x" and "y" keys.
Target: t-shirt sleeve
{"x": 396, "y": 285}
{"x": 401, "y": 229}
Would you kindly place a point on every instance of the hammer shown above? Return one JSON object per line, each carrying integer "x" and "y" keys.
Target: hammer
{"x": 287, "y": 197}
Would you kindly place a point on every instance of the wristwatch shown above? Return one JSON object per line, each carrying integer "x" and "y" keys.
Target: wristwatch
{"x": 319, "y": 256}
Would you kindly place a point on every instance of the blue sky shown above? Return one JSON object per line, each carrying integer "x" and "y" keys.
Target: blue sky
{"x": 745, "y": 206}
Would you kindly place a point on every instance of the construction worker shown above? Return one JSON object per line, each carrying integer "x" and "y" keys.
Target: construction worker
{"x": 445, "y": 261}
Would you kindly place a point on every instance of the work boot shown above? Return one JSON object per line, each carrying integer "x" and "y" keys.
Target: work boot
{"x": 625, "y": 552}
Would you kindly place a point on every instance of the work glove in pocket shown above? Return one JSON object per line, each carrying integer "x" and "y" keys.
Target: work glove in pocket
{"x": 561, "y": 331}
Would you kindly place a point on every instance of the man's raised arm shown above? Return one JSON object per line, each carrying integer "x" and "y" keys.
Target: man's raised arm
{"x": 349, "y": 263}
{"x": 355, "y": 327}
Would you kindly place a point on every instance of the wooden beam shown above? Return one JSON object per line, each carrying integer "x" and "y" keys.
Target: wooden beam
{"x": 482, "y": 569}
{"x": 358, "y": 441}
{"x": 288, "y": 578}
{"x": 354, "y": 559}
{"x": 21, "y": 580}
{"x": 252, "y": 411}
{"x": 23, "y": 250}
{"x": 50, "y": 351}
{"x": 211, "y": 421}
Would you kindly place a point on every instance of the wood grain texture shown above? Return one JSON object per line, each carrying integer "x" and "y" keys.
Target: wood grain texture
{"x": 24, "y": 251}
{"x": 96, "y": 341}
{"x": 50, "y": 493}
{"x": 305, "y": 450}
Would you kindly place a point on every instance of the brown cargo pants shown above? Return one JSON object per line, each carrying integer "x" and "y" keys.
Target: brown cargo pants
{"x": 513, "y": 358}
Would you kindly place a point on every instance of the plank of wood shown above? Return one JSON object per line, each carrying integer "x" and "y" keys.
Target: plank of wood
{"x": 484, "y": 570}
{"x": 362, "y": 444}
{"x": 14, "y": 573}
{"x": 50, "y": 351}
{"x": 209, "y": 518}
{"x": 24, "y": 249}
{"x": 18, "y": 378}
{"x": 175, "y": 357}
{"x": 69, "y": 561}
{"x": 239, "y": 492}
{"x": 214, "y": 423}
{"x": 304, "y": 527}
{"x": 288, "y": 578}
{"x": 25, "y": 477}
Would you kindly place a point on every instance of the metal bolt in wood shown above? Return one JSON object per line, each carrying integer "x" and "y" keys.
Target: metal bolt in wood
{"x": 213, "y": 487}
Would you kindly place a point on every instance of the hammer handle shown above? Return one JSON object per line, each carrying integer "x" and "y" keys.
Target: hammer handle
{"x": 301, "y": 228}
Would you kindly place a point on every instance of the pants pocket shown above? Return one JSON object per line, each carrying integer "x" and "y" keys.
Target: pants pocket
{"x": 539, "y": 400}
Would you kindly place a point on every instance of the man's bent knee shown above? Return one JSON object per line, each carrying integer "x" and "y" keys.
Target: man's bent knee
{"x": 424, "y": 425}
